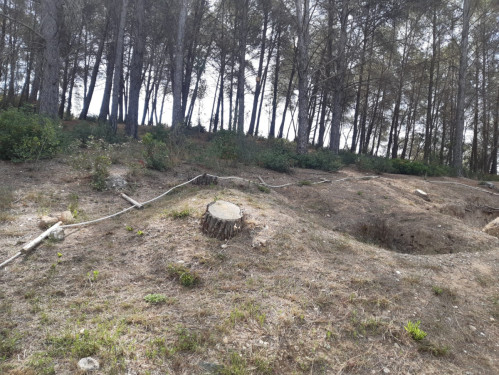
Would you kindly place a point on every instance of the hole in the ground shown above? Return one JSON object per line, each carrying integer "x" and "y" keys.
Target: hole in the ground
{"x": 421, "y": 234}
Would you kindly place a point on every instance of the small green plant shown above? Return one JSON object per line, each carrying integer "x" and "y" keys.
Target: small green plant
{"x": 93, "y": 276}
{"x": 437, "y": 290}
{"x": 185, "y": 276}
{"x": 187, "y": 341}
{"x": 414, "y": 330}
{"x": 186, "y": 212}
{"x": 304, "y": 183}
{"x": 359, "y": 193}
{"x": 236, "y": 365}
{"x": 8, "y": 345}
{"x": 129, "y": 228}
{"x": 59, "y": 255}
{"x": 140, "y": 233}
{"x": 264, "y": 189}
{"x": 434, "y": 349}
{"x": 155, "y": 299}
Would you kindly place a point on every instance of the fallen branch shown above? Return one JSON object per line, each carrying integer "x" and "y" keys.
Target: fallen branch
{"x": 131, "y": 200}
{"x": 40, "y": 238}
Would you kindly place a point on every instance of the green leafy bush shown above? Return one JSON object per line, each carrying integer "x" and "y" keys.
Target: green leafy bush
{"x": 28, "y": 136}
{"x": 185, "y": 276}
{"x": 225, "y": 146}
{"x": 155, "y": 153}
{"x": 155, "y": 299}
{"x": 414, "y": 330}
{"x": 100, "y": 172}
{"x": 323, "y": 159}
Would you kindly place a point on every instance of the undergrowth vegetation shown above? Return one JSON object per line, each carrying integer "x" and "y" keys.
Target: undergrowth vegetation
{"x": 25, "y": 135}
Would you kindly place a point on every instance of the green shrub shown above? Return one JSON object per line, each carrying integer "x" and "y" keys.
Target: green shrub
{"x": 100, "y": 172}
{"x": 276, "y": 161}
{"x": 28, "y": 136}
{"x": 224, "y": 145}
{"x": 8, "y": 345}
{"x": 155, "y": 299}
{"x": 155, "y": 153}
{"x": 185, "y": 276}
{"x": 414, "y": 330}
{"x": 323, "y": 160}
{"x": 374, "y": 164}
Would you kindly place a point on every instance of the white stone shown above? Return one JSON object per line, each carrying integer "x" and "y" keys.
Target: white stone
{"x": 58, "y": 234}
{"x": 422, "y": 194}
{"x": 88, "y": 364}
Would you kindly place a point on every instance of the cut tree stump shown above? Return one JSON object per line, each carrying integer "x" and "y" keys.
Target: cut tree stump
{"x": 222, "y": 220}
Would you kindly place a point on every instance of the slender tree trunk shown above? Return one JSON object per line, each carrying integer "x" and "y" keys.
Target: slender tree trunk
{"x": 132, "y": 120}
{"x": 51, "y": 15}
{"x": 276, "y": 82}
{"x": 457, "y": 153}
{"x": 339, "y": 89}
{"x": 259, "y": 77}
{"x": 118, "y": 67}
{"x": 288, "y": 94}
{"x": 302, "y": 19}
{"x": 495, "y": 141}
{"x": 243, "y": 31}
{"x": 95, "y": 72}
{"x": 177, "y": 113}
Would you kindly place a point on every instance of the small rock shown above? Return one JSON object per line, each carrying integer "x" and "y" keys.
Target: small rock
{"x": 58, "y": 234}
{"x": 473, "y": 328}
{"x": 224, "y": 246}
{"x": 88, "y": 364}
{"x": 47, "y": 221}
{"x": 492, "y": 319}
{"x": 66, "y": 217}
{"x": 422, "y": 194}
{"x": 116, "y": 182}
{"x": 386, "y": 370}
{"x": 396, "y": 345}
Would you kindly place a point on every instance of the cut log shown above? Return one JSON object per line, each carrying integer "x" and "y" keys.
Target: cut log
{"x": 131, "y": 200}
{"x": 40, "y": 238}
{"x": 222, "y": 220}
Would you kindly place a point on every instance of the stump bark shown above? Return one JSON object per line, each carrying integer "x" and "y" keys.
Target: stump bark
{"x": 222, "y": 220}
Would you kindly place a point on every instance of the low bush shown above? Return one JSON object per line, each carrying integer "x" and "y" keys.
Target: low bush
{"x": 27, "y": 136}
{"x": 155, "y": 153}
{"x": 323, "y": 160}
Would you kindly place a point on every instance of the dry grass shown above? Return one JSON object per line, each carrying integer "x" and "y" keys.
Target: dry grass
{"x": 310, "y": 300}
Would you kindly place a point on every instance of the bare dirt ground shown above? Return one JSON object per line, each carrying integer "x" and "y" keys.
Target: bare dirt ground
{"x": 322, "y": 280}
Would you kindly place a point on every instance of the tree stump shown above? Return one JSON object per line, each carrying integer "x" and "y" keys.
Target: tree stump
{"x": 222, "y": 220}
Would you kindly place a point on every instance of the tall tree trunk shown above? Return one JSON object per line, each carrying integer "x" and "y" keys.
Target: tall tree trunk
{"x": 259, "y": 77}
{"x": 118, "y": 67}
{"x": 429, "y": 105}
{"x": 339, "y": 89}
{"x": 132, "y": 120}
{"x": 95, "y": 72}
{"x": 457, "y": 149}
{"x": 177, "y": 113}
{"x": 51, "y": 16}
{"x": 243, "y": 31}
{"x": 302, "y": 19}
{"x": 288, "y": 94}
{"x": 276, "y": 82}
{"x": 495, "y": 141}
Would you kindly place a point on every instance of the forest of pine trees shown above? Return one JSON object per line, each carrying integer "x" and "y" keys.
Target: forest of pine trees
{"x": 409, "y": 79}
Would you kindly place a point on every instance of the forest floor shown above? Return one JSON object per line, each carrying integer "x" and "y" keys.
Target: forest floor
{"x": 322, "y": 280}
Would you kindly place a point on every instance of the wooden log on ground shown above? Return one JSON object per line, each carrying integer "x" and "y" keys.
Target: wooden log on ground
{"x": 131, "y": 200}
{"x": 40, "y": 238}
{"x": 222, "y": 220}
